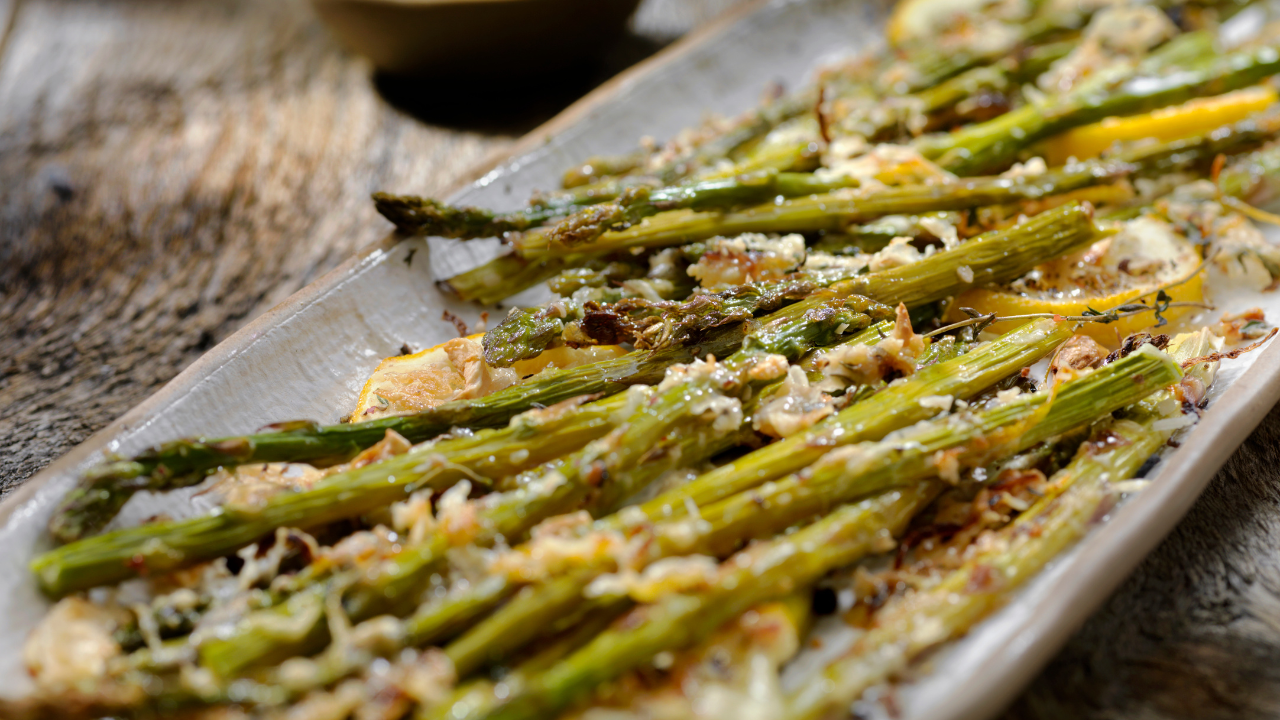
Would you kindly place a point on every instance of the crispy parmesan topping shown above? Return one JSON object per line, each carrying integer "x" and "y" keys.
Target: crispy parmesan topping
{"x": 796, "y": 407}
{"x": 251, "y": 486}
{"x": 1240, "y": 327}
{"x": 689, "y": 573}
{"x": 1076, "y": 356}
{"x": 893, "y": 357}
{"x": 413, "y": 517}
{"x": 878, "y": 166}
{"x": 1244, "y": 254}
{"x": 1034, "y": 167}
{"x": 456, "y": 516}
{"x": 72, "y": 643}
{"x": 897, "y": 253}
{"x": 734, "y": 673}
{"x": 770, "y": 367}
{"x": 747, "y": 258}
{"x": 944, "y": 231}
{"x": 1115, "y": 33}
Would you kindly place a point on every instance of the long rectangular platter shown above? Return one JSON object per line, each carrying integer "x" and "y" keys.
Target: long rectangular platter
{"x": 308, "y": 357}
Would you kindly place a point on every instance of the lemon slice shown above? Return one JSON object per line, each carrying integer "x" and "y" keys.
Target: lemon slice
{"x": 456, "y": 370}
{"x": 1134, "y": 263}
{"x": 1171, "y": 123}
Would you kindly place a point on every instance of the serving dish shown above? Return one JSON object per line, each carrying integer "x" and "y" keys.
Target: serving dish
{"x": 307, "y": 357}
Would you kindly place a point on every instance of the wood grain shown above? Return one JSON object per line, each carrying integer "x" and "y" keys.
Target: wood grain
{"x": 169, "y": 169}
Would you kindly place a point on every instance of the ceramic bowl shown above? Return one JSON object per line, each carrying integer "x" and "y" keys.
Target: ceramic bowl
{"x": 465, "y": 37}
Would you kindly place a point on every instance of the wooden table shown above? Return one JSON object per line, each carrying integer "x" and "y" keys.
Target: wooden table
{"x": 169, "y": 169}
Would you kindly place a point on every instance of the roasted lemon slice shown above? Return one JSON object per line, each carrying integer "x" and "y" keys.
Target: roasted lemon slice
{"x": 1171, "y": 123}
{"x": 456, "y": 370}
{"x": 1144, "y": 256}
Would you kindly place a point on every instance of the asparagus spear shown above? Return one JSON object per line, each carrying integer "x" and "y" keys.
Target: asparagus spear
{"x": 966, "y": 595}
{"x": 165, "y": 546}
{"x": 504, "y": 276}
{"x": 415, "y": 215}
{"x": 180, "y": 463}
{"x": 874, "y": 115}
{"x": 601, "y": 166}
{"x": 439, "y": 621}
{"x": 646, "y": 447}
{"x": 638, "y": 203}
{"x": 777, "y": 567}
{"x": 479, "y": 692}
{"x": 1116, "y": 451}
{"x": 599, "y": 171}
{"x": 1254, "y": 178}
{"x": 391, "y": 587}
{"x": 993, "y": 145}
{"x": 929, "y": 65}
{"x": 672, "y": 412}
{"x": 512, "y": 273}
{"x": 773, "y": 567}
{"x": 985, "y": 259}
{"x": 530, "y": 439}
{"x": 833, "y": 211}
{"x": 725, "y": 520}
{"x": 648, "y": 443}
{"x": 897, "y": 406}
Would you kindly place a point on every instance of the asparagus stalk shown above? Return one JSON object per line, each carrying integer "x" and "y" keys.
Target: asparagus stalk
{"x": 523, "y": 619}
{"x": 798, "y": 149}
{"x": 721, "y": 526}
{"x": 596, "y": 167}
{"x": 769, "y": 570}
{"x": 673, "y": 412}
{"x": 884, "y": 118}
{"x": 415, "y": 215}
{"x": 182, "y": 463}
{"x": 1116, "y": 451}
{"x": 530, "y": 440}
{"x": 504, "y": 276}
{"x": 440, "y": 620}
{"x": 774, "y": 568}
{"x": 526, "y": 332}
{"x": 1000, "y": 256}
{"x": 1254, "y": 178}
{"x": 647, "y": 444}
{"x": 636, "y": 204}
{"x": 993, "y": 145}
{"x": 930, "y": 66}
{"x": 985, "y": 259}
{"x": 895, "y": 407}
{"x": 478, "y": 693}
{"x": 598, "y": 171}
{"x": 967, "y": 595}
{"x": 392, "y": 585}
{"x": 513, "y": 273}
{"x": 834, "y": 211}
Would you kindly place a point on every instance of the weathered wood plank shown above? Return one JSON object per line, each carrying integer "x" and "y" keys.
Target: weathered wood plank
{"x": 172, "y": 170}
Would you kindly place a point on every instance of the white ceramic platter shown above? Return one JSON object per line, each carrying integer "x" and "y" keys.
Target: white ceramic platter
{"x": 308, "y": 357}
